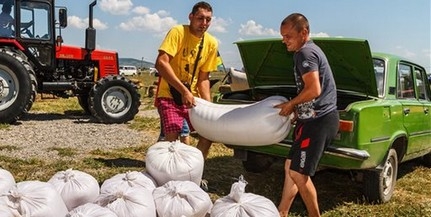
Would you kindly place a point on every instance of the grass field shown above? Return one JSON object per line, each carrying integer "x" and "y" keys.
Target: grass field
{"x": 338, "y": 194}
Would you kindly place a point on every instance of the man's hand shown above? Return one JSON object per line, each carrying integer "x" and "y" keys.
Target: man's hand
{"x": 188, "y": 99}
{"x": 286, "y": 108}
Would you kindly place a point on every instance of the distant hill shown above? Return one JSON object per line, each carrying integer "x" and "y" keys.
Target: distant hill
{"x": 136, "y": 62}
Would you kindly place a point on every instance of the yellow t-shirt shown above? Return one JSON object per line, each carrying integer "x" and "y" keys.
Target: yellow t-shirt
{"x": 183, "y": 47}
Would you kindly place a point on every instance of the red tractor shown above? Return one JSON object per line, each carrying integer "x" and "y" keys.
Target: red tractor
{"x": 34, "y": 59}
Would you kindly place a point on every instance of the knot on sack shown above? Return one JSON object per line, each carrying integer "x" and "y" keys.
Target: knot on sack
{"x": 68, "y": 175}
{"x": 119, "y": 195}
{"x": 238, "y": 189}
{"x": 172, "y": 147}
{"x": 15, "y": 198}
{"x": 130, "y": 176}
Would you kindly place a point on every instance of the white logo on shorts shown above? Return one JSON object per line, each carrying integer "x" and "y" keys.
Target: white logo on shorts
{"x": 303, "y": 157}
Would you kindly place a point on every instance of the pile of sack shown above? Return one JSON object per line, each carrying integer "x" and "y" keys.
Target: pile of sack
{"x": 170, "y": 187}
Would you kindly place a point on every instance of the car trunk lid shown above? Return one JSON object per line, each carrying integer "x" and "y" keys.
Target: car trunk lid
{"x": 267, "y": 62}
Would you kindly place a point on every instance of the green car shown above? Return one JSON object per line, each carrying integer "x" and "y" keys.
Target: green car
{"x": 384, "y": 103}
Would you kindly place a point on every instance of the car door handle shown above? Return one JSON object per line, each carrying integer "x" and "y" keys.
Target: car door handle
{"x": 406, "y": 111}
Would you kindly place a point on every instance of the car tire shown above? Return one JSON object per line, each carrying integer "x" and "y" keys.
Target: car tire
{"x": 379, "y": 184}
{"x": 257, "y": 163}
{"x": 426, "y": 159}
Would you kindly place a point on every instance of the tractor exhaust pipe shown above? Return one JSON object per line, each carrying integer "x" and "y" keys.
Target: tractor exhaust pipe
{"x": 90, "y": 32}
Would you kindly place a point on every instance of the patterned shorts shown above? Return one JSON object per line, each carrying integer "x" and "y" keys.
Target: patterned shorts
{"x": 172, "y": 115}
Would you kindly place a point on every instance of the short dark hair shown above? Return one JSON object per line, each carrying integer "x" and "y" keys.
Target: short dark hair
{"x": 202, "y": 4}
{"x": 7, "y": 7}
{"x": 299, "y": 21}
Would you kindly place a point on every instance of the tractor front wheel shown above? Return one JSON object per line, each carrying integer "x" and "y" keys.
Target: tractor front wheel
{"x": 114, "y": 99}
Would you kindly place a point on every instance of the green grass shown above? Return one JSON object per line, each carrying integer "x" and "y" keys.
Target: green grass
{"x": 338, "y": 194}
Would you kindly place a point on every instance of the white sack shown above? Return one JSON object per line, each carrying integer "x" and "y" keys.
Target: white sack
{"x": 35, "y": 199}
{"x": 241, "y": 204}
{"x": 91, "y": 210}
{"x": 75, "y": 187}
{"x": 5, "y": 211}
{"x": 6, "y": 180}
{"x": 131, "y": 178}
{"x": 238, "y": 80}
{"x": 166, "y": 161}
{"x": 181, "y": 198}
{"x": 241, "y": 124}
{"x": 128, "y": 201}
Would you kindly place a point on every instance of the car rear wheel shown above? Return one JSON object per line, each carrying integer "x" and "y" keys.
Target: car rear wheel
{"x": 427, "y": 160}
{"x": 379, "y": 184}
{"x": 257, "y": 163}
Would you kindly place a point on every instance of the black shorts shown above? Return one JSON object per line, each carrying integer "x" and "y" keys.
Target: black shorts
{"x": 310, "y": 140}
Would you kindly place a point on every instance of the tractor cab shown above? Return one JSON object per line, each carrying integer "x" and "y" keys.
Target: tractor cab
{"x": 32, "y": 29}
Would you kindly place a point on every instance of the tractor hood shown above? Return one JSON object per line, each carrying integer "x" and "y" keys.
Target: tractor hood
{"x": 267, "y": 62}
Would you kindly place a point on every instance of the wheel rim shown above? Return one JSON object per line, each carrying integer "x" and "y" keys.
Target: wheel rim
{"x": 117, "y": 101}
{"x": 388, "y": 177}
{"x": 9, "y": 86}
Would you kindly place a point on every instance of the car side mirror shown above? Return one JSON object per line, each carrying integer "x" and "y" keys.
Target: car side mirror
{"x": 62, "y": 15}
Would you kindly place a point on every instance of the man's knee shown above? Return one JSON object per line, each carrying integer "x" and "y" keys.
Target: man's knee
{"x": 298, "y": 178}
{"x": 287, "y": 166}
{"x": 171, "y": 137}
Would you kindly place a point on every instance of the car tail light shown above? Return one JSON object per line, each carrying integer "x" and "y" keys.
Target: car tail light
{"x": 346, "y": 126}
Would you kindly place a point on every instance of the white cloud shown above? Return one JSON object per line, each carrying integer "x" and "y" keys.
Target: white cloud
{"x": 219, "y": 25}
{"x": 80, "y": 23}
{"x": 427, "y": 53}
{"x": 141, "y": 10}
{"x": 149, "y": 22}
{"x": 251, "y": 28}
{"x": 76, "y": 22}
{"x": 402, "y": 51}
{"x": 116, "y": 7}
{"x": 320, "y": 34}
{"x": 163, "y": 13}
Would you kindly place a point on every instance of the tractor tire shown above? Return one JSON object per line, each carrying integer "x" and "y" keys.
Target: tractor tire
{"x": 17, "y": 86}
{"x": 114, "y": 100}
{"x": 83, "y": 102}
{"x": 379, "y": 184}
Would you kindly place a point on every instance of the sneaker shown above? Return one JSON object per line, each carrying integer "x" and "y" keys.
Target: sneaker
{"x": 204, "y": 185}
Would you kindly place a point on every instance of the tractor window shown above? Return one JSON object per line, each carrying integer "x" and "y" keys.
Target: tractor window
{"x": 35, "y": 22}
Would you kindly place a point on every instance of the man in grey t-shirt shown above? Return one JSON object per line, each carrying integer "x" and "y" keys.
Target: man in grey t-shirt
{"x": 315, "y": 110}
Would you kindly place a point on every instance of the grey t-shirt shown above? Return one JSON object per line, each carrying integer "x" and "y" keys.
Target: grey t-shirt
{"x": 311, "y": 58}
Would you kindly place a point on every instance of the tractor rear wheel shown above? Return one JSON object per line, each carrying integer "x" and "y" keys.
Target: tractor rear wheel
{"x": 17, "y": 86}
{"x": 83, "y": 102}
{"x": 114, "y": 99}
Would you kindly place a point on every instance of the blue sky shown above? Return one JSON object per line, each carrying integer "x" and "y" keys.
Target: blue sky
{"x": 135, "y": 28}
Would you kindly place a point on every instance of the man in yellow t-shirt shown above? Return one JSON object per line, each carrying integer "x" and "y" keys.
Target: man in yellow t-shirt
{"x": 176, "y": 62}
